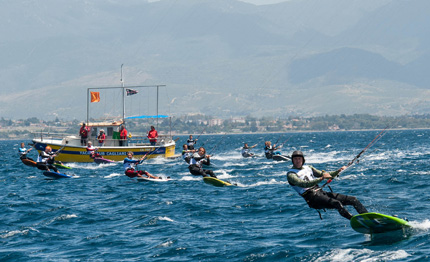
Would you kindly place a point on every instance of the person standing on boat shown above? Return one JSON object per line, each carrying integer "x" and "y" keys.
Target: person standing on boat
{"x": 152, "y": 136}
{"x": 246, "y": 150}
{"x": 83, "y": 133}
{"x": 46, "y": 159}
{"x": 269, "y": 150}
{"x": 24, "y": 151}
{"x": 187, "y": 153}
{"x": 101, "y": 137}
{"x": 305, "y": 179}
{"x": 197, "y": 161}
{"x": 191, "y": 142}
{"x": 122, "y": 136}
{"x": 130, "y": 164}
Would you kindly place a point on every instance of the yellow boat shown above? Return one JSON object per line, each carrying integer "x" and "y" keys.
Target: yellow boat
{"x": 71, "y": 150}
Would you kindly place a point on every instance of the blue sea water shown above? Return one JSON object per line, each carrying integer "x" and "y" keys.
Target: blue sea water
{"x": 102, "y": 215}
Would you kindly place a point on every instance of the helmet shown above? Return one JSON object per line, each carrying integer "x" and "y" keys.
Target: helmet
{"x": 298, "y": 153}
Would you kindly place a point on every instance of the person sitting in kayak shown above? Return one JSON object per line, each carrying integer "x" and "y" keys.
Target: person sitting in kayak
{"x": 46, "y": 160}
{"x": 246, "y": 150}
{"x": 24, "y": 151}
{"x": 191, "y": 142}
{"x": 305, "y": 179}
{"x": 197, "y": 161}
{"x": 187, "y": 153}
{"x": 92, "y": 150}
{"x": 130, "y": 164}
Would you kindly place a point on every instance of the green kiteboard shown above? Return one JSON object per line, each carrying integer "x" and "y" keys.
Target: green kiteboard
{"x": 61, "y": 166}
{"x": 215, "y": 181}
{"x": 372, "y": 223}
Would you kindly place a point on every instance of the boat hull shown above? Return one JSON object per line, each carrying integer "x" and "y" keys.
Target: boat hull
{"x": 115, "y": 153}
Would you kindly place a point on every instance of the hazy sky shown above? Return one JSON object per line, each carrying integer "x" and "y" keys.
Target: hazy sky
{"x": 263, "y": 2}
{"x": 255, "y": 2}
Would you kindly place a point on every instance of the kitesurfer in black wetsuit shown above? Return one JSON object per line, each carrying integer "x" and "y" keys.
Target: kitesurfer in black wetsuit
{"x": 24, "y": 151}
{"x": 191, "y": 142}
{"x": 46, "y": 160}
{"x": 187, "y": 153}
{"x": 305, "y": 179}
{"x": 197, "y": 161}
{"x": 269, "y": 150}
{"x": 246, "y": 149}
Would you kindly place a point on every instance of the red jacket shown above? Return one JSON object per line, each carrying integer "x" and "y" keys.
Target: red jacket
{"x": 83, "y": 132}
{"x": 101, "y": 138}
{"x": 123, "y": 134}
{"x": 152, "y": 135}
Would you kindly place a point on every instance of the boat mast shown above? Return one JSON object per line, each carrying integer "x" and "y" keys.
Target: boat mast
{"x": 123, "y": 97}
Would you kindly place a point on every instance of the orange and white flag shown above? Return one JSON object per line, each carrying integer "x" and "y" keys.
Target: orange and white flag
{"x": 95, "y": 97}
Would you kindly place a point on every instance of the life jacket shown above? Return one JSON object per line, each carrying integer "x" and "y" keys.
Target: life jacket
{"x": 83, "y": 132}
{"x": 101, "y": 138}
{"x": 198, "y": 160}
{"x": 305, "y": 174}
{"x": 130, "y": 163}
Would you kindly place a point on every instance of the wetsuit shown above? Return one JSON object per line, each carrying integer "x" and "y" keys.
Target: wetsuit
{"x": 45, "y": 161}
{"x": 196, "y": 163}
{"x": 186, "y": 155}
{"x": 246, "y": 153}
{"x": 23, "y": 153}
{"x": 129, "y": 170}
{"x": 191, "y": 143}
{"x": 270, "y": 151}
{"x": 305, "y": 182}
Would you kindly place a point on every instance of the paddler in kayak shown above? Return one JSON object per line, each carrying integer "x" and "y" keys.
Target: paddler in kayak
{"x": 305, "y": 179}
{"x": 130, "y": 164}
{"x": 46, "y": 159}
{"x": 197, "y": 161}
{"x": 92, "y": 150}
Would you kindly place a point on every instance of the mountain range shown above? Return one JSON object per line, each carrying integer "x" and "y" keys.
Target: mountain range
{"x": 223, "y": 58}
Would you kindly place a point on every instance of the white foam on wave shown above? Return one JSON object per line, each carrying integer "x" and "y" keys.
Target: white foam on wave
{"x": 224, "y": 174}
{"x": 365, "y": 254}
{"x": 17, "y": 232}
{"x": 424, "y": 225}
{"x": 190, "y": 178}
{"x": 90, "y": 166}
{"x": 166, "y": 219}
{"x": 113, "y": 175}
{"x": 269, "y": 182}
{"x": 66, "y": 217}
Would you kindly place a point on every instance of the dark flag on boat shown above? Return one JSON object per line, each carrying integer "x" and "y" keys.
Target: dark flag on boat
{"x": 131, "y": 92}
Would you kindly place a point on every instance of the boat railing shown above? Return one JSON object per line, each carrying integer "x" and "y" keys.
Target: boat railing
{"x": 74, "y": 140}
{"x": 49, "y": 135}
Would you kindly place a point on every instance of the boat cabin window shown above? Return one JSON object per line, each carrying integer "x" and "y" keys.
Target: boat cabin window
{"x": 110, "y": 131}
